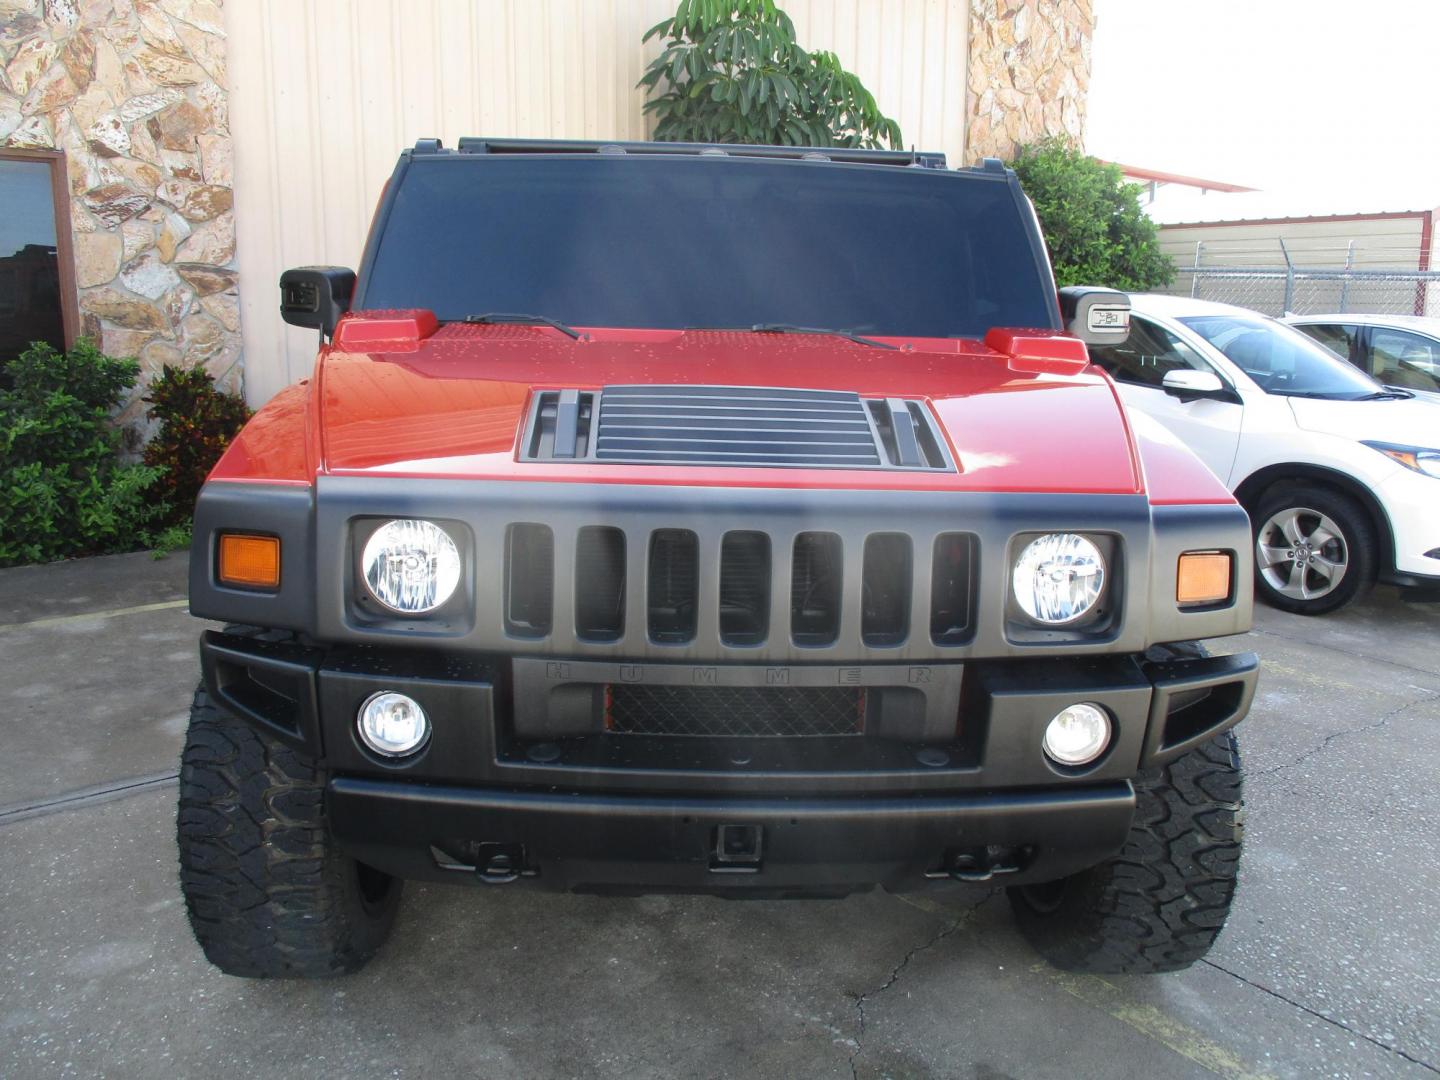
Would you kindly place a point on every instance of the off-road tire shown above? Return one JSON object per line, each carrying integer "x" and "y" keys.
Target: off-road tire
{"x": 1159, "y": 904}
{"x": 1357, "y": 533}
{"x": 268, "y": 893}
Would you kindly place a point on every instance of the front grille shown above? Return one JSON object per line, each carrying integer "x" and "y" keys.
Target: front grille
{"x": 815, "y": 586}
{"x": 674, "y": 585}
{"x": 600, "y": 583}
{"x": 711, "y": 588}
{"x": 529, "y": 580}
{"x": 734, "y": 711}
{"x": 744, "y": 588}
{"x": 885, "y": 604}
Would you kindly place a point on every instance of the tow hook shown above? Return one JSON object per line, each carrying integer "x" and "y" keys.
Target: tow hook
{"x": 500, "y": 869}
{"x": 494, "y": 864}
{"x": 978, "y": 864}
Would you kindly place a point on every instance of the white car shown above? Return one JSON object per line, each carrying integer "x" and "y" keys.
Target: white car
{"x": 1399, "y": 350}
{"x": 1340, "y": 474}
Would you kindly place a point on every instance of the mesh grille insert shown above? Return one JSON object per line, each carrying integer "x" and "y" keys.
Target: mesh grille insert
{"x": 734, "y": 711}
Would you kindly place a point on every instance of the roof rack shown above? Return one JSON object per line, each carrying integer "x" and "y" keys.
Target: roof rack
{"x": 474, "y": 145}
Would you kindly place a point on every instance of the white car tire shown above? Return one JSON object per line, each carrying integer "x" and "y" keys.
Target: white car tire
{"x": 1315, "y": 548}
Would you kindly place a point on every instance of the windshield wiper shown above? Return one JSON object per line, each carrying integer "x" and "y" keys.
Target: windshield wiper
{"x": 848, "y": 335}
{"x": 1388, "y": 394}
{"x": 515, "y": 318}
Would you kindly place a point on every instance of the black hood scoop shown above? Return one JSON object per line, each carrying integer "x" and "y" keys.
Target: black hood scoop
{"x": 733, "y": 426}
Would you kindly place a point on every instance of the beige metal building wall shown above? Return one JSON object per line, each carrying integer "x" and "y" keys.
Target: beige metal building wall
{"x": 325, "y": 93}
{"x": 1373, "y": 241}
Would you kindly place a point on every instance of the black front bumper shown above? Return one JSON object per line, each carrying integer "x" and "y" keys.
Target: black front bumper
{"x": 491, "y": 798}
{"x": 634, "y": 844}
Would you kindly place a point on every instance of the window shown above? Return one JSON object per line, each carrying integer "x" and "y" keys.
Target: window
{"x": 1337, "y": 337}
{"x": 1400, "y": 358}
{"x": 1282, "y": 360}
{"x": 37, "y": 280}
{"x": 1147, "y": 354}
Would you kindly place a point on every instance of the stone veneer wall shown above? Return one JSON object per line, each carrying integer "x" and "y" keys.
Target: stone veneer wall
{"x": 134, "y": 92}
{"x": 1028, "y": 74}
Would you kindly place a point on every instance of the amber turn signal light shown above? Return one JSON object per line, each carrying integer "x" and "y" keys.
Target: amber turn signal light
{"x": 1203, "y": 577}
{"x": 251, "y": 561}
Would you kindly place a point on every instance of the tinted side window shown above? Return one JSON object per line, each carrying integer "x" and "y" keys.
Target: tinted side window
{"x": 1147, "y": 354}
{"x": 1400, "y": 358}
{"x": 1339, "y": 338}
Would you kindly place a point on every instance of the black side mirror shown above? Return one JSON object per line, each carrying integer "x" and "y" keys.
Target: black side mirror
{"x": 1096, "y": 316}
{"x": 316, "y": 296}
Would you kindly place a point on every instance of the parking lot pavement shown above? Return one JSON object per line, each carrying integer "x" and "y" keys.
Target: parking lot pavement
{"x": 1330, "y": 965}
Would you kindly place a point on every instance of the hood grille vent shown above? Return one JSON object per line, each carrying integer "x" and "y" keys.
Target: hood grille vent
{"x": 737, "y": 426}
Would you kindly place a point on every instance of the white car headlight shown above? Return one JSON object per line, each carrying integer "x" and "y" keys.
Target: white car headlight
{"x": 1418, "y": 458}
{"x": 411, "y": 566}
{"x": 1058, "y": 578}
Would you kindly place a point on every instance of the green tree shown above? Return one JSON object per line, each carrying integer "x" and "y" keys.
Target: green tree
{"x": 1097, "y": 232}
{"x": 732, "y": 72}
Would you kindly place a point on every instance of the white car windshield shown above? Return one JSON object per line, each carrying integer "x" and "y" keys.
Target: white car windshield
{"x": 1284, "y": 361}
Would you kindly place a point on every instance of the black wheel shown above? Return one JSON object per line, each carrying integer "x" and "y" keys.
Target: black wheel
{"x": 1159, "y": 904}
{"x": 1315, "y": 548}
{"x": 268, "y": 893}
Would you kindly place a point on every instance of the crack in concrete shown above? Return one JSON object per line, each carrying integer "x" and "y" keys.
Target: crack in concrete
{"x": 1385, "y": 718}
{"x": 958, "y": 923}
{"x": 1321, "y": 1016}
{"x": 82, "y": 797}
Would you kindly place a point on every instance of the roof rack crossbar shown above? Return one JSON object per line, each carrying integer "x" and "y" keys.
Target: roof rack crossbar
{"x": 480, "y": 145}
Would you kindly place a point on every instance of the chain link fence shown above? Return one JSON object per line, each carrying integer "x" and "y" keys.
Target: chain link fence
{"x": 1288, "y": 286}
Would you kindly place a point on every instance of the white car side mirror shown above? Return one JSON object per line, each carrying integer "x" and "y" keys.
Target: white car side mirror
{"x": 1187, "y": 384}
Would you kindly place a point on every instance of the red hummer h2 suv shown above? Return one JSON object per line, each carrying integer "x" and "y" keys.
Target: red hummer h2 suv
{"x": 739, "y": 520}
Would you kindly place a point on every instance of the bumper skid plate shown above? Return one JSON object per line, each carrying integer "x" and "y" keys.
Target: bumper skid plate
{"x": 607, "y": 843}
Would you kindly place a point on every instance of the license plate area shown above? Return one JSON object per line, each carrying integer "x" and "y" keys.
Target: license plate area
{"x": 564, "y": 699}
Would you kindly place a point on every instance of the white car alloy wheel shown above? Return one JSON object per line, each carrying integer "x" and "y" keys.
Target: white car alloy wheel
{"x": 1302, "y": 553}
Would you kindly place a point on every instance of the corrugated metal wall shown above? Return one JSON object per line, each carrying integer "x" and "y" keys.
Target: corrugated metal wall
{"x": 325, "y": 93}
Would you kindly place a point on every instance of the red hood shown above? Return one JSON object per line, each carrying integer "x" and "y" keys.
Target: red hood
{"x": 453, "y": 405}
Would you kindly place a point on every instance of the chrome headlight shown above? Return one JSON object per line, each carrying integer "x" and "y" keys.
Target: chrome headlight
{"x": 1417, "y": 458}
{"x": 411, "y": 566}
{"x": 1058, "y": 578}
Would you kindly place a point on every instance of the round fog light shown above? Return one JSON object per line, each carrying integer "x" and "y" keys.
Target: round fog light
{"x": 1078, "y": 735}
{"x": 392, "y": 724}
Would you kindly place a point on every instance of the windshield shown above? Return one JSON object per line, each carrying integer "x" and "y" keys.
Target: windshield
{"x": 675, "y": 242}
{"x": 1282, "y": 360}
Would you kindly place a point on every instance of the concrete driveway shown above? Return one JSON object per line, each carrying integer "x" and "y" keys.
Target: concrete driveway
{"x": 1330, "y": 964}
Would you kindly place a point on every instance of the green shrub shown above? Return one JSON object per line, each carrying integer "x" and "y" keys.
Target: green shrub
{"x": 197, "y": 422}
{"x": 1097, "y": 231}
{"x": 63, "y": 488}
{"x": 733, "y": 73}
